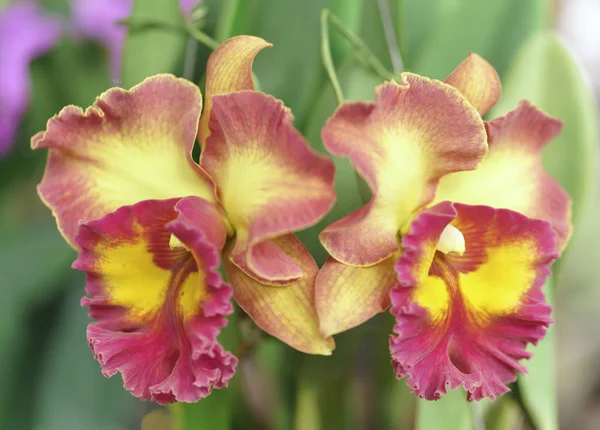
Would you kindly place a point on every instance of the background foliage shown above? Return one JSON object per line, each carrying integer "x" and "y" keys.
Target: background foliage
{"x": 48, "y": 378}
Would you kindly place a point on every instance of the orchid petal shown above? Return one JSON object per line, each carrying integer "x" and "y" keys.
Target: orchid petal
{"x": 129, "y": 146}
{"x": 414, "y": 133}
{"x": 466, "y": 320}
{"x": 286, "y": 312}
{"x": 478, "y": 81}
{"x": 512, "y": 175}
{"x": 159, "y": 309}
{"x": 269, "y": 181}
{"x": 347, "y": 296}
{"x": 229, "y": 69}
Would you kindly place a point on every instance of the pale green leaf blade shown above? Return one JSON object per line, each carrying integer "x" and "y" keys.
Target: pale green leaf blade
{"x": 450, "y": 412}
{"x": 492, "y": 29}
{"x": 545, "y": 73}
{"x": 148, "y": 51}
{"x": 538, "y": 387}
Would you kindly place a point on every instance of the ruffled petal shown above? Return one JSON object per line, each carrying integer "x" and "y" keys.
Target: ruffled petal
{"x": 268, "y": 179}
{"x": 229, "y": 69}
{"x": 129, "y": 146}
{"x": 347, "y": 296}
{"x": 401, "y": 144}
{"x": 25, "y": 33}
{"x": 288, "y": 313}
{"x": 158, "y": 308}
{"x": 466, "y": 320}
{"x": 478, "y": 81}
{"x": 512, "y": 175}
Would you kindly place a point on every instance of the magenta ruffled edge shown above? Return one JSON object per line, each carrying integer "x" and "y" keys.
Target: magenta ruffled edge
{"x": 202, "y": 364}
{"x": 430, "y": 374}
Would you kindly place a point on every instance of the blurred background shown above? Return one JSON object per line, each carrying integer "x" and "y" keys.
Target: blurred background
{"x": 59, "y": 52}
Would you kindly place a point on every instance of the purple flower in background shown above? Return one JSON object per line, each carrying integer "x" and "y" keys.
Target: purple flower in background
{"x": 25, "y": 33}
{"x": 98, "y": 20}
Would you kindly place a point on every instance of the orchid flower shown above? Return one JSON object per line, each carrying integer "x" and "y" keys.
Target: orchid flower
{"x": 25, "y": 33}
{"x": 150, "y": 223}
{"x": 99, "y": 20}
{"x": 459, "y": 233}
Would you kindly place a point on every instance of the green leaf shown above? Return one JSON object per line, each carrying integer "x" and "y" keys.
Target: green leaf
{"x": 545, "y": 73}
{"x": 538, "y": 388}
{"x": 73, "y": 393}
{"x": 148, "y": 51}
{"x": 504, "y": 413}
{"x": 358, "y": 84}
{"x": 349, "y": 12}
{"x": 491, "y": 29}
{"x": 451, "y": 411}
{"x": 210, "y": 413}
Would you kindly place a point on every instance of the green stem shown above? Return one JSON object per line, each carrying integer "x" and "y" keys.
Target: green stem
{"x": 390, "y": 35}
{"x": 202, "y": 37}
{"x": 326, "y": 55}
{"x": 189, "y": 63}
{"x": 359, "y": 46}
{"x": 227, "y": 19}
{"x": 189, "y": 28}
{"x": 477, "y": 414}
{"x": 177, "y": 416}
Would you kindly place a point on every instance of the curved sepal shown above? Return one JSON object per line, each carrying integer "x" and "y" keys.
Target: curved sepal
{"x": 286, "y": 312}
{"x": 229, "y": 69}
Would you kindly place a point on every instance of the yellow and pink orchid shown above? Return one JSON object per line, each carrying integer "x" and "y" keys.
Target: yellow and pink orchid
{"x": 149, "y": 222}
{"x": 459, "y": 233}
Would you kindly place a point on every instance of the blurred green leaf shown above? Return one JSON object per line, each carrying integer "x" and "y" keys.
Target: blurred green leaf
{"x": 73, "y": 393}
{"x": 545, "y": 73}
{"x": 211, "y": 413}
{"x": 349, "y": 12}
{"x": 276, "y": 372}
{"x": 373, "y": 34}
{"x": 451, "y": 411}
{"x": 492, "y": 29}
{"x": 227, "y": 18}
{"x": 505, "y": 413}
{"x": 307, "y": 405}
{"x": 215, "y": 411}
{"x": 358, "y": 84}
{"x": 538, "y": 388}
{"x": 148, "y": 51}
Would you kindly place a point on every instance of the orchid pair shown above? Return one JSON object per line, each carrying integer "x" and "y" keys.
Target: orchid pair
{"x": 460, "y": 254}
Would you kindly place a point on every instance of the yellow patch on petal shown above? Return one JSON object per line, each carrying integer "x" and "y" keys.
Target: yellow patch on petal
{"x": 126, "y": 271}
{"x": 126, "y": 173}
{"x": 134, "y": 281}
{"x": 255, "y": 179}
{"x": 497, "y": 286}
{"x": 403, "y": 168}
{"x": 494, "y": 288}
{"x": 191, "y": 294}
{"x": 245, "y": 184}
{"x": 507, "y": 178}
{"x": 432, "y": 295}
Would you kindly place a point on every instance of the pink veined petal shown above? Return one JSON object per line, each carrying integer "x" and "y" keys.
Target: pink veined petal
{"x": 159, "y": 308}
